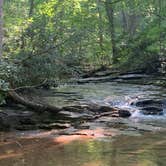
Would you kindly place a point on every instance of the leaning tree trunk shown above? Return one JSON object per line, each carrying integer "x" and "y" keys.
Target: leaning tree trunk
{"x": 38, "y": 107}
{"x": 1, "y": 26}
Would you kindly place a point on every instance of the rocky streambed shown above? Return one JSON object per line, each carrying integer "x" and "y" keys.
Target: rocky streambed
{"x": 88, "y": 102}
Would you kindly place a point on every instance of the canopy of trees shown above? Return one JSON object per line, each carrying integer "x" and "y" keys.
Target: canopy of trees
{"x": 57, "y": 39}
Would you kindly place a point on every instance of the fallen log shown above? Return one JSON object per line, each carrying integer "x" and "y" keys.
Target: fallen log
{"x": 40, "y": 107}
{"x": 96, "y": 79}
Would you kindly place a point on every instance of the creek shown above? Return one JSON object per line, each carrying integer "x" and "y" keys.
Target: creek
{"x": 139, "y": 140}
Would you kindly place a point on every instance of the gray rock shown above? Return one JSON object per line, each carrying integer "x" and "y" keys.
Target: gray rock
{"x": 124, "y": 113}
{"x": 151, "y": 110}
{"x": 148, "y": 102}
{"x": 105, "y": 109}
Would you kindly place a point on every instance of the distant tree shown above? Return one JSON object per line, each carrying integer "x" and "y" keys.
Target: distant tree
{"x": 31, "y": 7}
{"x": 100, "y": 25}
{"x": 110, "y": 15}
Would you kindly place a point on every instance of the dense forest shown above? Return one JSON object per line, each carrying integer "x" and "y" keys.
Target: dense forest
{"x": 56, "y": 39}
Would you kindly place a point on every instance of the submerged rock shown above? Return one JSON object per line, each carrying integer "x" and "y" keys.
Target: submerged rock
{"x": 146, "y": 102}
{"x": 151, "y": 110}
{"x": 3, "y": 125}
{"x": 150, "y": 106}
{"x": 121, "y": 113}
{"x": 124, "y": 113}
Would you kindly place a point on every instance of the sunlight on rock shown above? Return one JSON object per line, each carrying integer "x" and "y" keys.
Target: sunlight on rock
{"x": 99, "y": 132}
{"x": 40, "y": 134}
{"x": 65, "y": 139}
{"x": 82, "y": 135}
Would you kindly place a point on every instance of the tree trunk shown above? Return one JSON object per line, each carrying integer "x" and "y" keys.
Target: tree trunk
{"x": 133, "y": 23}
{"x": 1, "y": 27}
{"x": 31, "y": 8}
{"x": 110, "y": 15}
{"x": 100, "y": 26}
{"x": 159, "y": 25}
{"x": 124, "y": 22}
{"x": 30, "y": 14}
{"x": 32, "y": 105}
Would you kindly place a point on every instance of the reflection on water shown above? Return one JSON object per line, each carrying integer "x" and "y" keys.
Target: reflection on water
{"x": 146, "y": 150}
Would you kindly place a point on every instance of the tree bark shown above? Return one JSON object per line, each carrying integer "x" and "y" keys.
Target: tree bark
{"x": 110, "y": 15}
{"x": 159, "y": 25}
{"x": 100, "y": 26}
{"x": 1, "y": 27}
{"x": 133, "y": 23}
{"x": 32, "y": 105}
{"x": 31, "y": 8}
{"x": 124, "y": 22}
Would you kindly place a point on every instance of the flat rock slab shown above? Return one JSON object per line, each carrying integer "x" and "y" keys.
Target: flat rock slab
{"x": 27, "y": 120}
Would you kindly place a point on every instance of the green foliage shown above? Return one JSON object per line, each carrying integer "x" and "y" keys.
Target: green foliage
{"x": 4, "y": 86}
{"x": 5, "y": 71}
{"x": 61, "y": 38}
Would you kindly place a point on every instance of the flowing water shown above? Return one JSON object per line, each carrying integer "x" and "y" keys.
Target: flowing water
{"x": 136, "y": 141}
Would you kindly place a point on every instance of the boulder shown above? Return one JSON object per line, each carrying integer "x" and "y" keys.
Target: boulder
{"x": 151, "y": 110}
{"x": 124, "y": 113}
{"x": 105, "y": 109}
{"x": 3, "y": 125}
{"x": 117, "y": 112}
{"x": 147, "y": 102}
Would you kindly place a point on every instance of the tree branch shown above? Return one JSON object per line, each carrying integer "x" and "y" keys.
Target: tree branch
{"x": 113, "y": 2}
{"x": 28, "y": 87}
